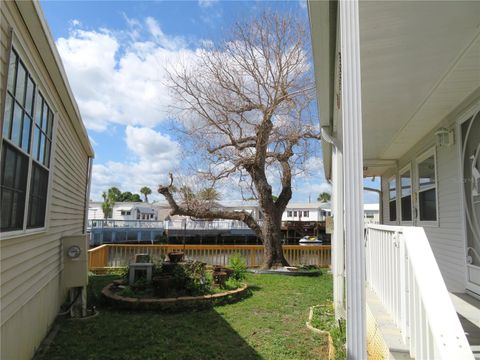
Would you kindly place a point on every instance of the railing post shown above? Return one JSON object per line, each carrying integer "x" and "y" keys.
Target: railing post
{"x": 403, "y": 287}
{"x": 105, "y": 256}
{"x": 252, "y": 256}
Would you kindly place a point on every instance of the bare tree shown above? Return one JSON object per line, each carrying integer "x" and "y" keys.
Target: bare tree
{"x": 246, "y": 107}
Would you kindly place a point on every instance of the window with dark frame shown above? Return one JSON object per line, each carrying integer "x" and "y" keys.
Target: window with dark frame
{"x": 406, "y": 195}
{"x": 427, "y": 189}
{"x": 306, "y": 214}
{"x": 27, "y": 134}
{"x": 289, "y": 213}
{"x": 392, "y": 196}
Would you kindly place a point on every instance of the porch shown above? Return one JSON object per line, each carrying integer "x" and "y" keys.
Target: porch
{"x": 411, "y": 311}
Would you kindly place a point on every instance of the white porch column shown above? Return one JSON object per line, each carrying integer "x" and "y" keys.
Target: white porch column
{"x": 353, "y": 178}
{"x": 338, "y": 247}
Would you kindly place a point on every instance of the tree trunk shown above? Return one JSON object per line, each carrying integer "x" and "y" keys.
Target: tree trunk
{"x": 272, "y": 244}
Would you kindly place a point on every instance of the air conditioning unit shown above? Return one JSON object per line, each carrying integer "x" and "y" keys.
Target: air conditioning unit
{"x": 75, "y": 261}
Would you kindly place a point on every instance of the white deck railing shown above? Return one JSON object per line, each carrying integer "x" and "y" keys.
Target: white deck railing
{"x": 205, "y": 225}
{"x": 137, "y": 224}
{"x": 402, "y": 271}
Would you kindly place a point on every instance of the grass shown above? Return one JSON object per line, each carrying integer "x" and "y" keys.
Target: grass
{"x": 270, "y": 324}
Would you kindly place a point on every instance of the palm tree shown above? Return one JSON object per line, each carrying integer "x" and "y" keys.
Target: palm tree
{"x": 107, "y": 205}
{"x": 324, "y": 197}
{"x": 209, "y": 194}
{"x": 146, "y": 191}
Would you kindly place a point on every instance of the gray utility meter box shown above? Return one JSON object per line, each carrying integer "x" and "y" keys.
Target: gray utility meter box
{"x": 75, "y": 261}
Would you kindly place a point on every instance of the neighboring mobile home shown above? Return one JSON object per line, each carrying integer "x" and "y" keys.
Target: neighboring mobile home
{"x": 399, "y": 83}
{"x": 124, "y": 211}
{"x": 45, "y": 174}
{"x": 306, "y": 211}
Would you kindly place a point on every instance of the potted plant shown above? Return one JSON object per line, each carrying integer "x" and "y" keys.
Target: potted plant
{"x": 163, "y": 284}
{"x": 175, "y": 256}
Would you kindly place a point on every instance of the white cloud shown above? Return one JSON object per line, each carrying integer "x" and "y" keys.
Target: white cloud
{"x": 302, "y": 4}
{"x": 119, "y": 79}
{"x": 206, "y": 3}
{"x": 75, "y": 22}
{"x": 171, "y": 43}
{"x": 153, "y": 156}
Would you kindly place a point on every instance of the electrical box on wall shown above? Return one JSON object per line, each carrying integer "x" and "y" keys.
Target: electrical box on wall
{"x": 75, "y": 261}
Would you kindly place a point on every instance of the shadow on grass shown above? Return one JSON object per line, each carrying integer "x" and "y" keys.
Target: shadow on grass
{"x": 150, "y": 335}
{"x": 116, "y": 334}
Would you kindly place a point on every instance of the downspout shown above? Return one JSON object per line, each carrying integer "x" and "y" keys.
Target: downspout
{"x": 88, "y": 179}
{"x": 338, "y": 241}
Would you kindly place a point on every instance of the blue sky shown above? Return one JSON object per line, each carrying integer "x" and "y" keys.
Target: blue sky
{"x": 113, "y": 54}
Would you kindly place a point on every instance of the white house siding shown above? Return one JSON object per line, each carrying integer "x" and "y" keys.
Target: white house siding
{"x": 31, "y": 266}
{"x": 447, "y": 239}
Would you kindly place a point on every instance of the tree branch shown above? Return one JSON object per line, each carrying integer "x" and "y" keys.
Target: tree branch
{"x": 208, "y": 214}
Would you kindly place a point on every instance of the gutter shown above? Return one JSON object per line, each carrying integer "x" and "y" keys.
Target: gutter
{"x": 323, "y": 31}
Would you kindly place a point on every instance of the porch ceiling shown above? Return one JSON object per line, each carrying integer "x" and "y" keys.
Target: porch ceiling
{"x": 419, "y": 61}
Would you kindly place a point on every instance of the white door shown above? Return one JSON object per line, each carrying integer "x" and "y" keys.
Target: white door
{"x": 470, "y": 155}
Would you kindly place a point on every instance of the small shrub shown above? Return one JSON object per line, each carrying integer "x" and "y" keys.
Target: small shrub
{"x": 239, "y": 266}
{"x": 192, "y": 277}
{"x": 120, "y": 271}
{"x": 309, "y": 268}
{"x": 232, "y": 284}
{"x": 128, "y": 292}
{"x": 157, "y": 266}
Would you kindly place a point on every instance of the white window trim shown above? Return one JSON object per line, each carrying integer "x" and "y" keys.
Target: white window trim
{"x": 402, "y": 171}
{"x": 393, "y": 177}
{"x": 423, "y": 156}
{"x": 39, "y": 88}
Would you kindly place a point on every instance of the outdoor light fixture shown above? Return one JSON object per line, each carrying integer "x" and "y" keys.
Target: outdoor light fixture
{"x": 444, "y": 137}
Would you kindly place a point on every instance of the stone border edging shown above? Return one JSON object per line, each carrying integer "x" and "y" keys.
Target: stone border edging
{"x": 331, "y": 347}
{"x": 285, "y": 272}
{"x": 178, "y": 303}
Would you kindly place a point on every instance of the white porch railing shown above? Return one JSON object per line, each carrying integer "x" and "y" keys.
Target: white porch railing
{"x": 402, "y": 271}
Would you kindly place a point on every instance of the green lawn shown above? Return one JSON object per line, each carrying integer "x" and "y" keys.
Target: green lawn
{"x": 269, "y": 324}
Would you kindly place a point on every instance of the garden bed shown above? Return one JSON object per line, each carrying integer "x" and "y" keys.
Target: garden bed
{"x": 290, "y": 271}
{"x": 110, "y": 292}
{"x": 321, "y": 320}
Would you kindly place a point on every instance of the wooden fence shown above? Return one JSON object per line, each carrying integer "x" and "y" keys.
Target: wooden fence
{"x": 119, "y": 255}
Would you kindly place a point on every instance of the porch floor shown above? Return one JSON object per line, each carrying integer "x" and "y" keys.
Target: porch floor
{"x": 468, "y": 310}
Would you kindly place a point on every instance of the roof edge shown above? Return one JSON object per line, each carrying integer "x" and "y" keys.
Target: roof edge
{"x": 323, "y": 31}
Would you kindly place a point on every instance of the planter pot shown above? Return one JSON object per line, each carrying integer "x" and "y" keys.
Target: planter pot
{"x": 163, "y": 285}
{"x": 219, "y": 278}
{"x": 175, "y": 256}
{"x": 217, "y": 268}
{"x": 168, "y": 267}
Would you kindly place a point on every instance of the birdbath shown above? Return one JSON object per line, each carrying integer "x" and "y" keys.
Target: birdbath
{"x": 142, "y": 263}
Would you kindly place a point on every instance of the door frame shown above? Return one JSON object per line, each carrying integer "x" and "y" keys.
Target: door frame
{"x": 470, "y": 286}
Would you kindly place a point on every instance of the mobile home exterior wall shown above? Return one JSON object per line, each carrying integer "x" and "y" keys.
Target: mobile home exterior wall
{"x": 32, "y": 287}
